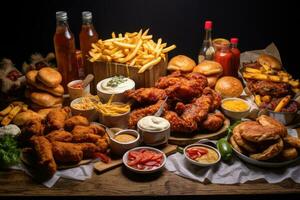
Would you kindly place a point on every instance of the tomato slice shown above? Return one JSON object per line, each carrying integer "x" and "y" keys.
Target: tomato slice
{"x": 151, "y": 163}
{"x": 135, "y": 161}
{"x": 157, "y": 156}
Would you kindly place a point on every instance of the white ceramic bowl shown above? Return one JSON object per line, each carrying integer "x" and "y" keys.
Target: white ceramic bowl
{"x": 119, "y": 148}
{"x": 125, "y": 160}
{"x": 235, "y": 114}
{"x": 118, "y": 97}
{"x": 90, "y": 114}
{"x": 120, "y": 121}
{"x": 77, "y": 92}
{"x": 154, "y": 138}
{"x": 199, "y": 163}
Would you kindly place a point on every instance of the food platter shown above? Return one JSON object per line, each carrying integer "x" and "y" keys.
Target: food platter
{"x": 179, "y": 139}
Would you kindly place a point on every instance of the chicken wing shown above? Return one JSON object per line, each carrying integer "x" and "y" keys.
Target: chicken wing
{"x": 59, "y": 135}
{"x": 88, "y": 149}
{"x": 76, "y": 120}
{"x": 43, "y": 150}
{"x": 66, "y": 152}
{"x": 146, "y": 95}
{"x": 31, "y": 128}
{"x": 56, "y": 118}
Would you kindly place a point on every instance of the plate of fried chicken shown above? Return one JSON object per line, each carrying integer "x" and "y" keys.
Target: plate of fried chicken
{"x": 61, "y": 141}
{"x": 191, "y": 108}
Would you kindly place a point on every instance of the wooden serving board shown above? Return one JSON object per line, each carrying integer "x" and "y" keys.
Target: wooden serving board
{"x": 181, "y": 139}
{"x": 102, "y": 167}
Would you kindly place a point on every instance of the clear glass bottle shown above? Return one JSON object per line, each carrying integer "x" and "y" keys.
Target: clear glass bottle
{"x": 87, "y": 36}
{"x": 207, "y": 50}
{"x": 65, "y": 50}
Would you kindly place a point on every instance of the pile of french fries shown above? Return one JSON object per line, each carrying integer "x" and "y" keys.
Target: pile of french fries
{"x": 267, "y": 74}
{"x": 9, "y": 113}
{"x": 136, "y": 49}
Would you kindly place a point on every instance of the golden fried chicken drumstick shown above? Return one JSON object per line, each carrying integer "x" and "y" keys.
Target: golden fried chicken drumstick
{"x": 56, "y": 118}
{"x": 43, "y": 150}
{"x": 64, "y": 152}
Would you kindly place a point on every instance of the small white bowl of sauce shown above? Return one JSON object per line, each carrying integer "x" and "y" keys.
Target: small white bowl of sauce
{"x": 124, "y": 140}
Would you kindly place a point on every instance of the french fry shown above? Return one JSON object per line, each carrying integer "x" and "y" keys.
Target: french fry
{"x": 6, "y": 110}
{"x": 274, "y": 78}
{"x": 170, "y": 48}
{"x": 296, "y": 90}
{"x": 294, "y": 83}
{"x": 252, "y": 70}
{"x": 8, "y": 118}
{"x": 149, "y": 64}
{"x": 257, "y": 100}
{"x": 283, "y": 102}
{"x": 256, "y": 76}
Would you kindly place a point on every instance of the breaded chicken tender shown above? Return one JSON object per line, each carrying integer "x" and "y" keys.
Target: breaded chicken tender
{"x": 76, "y": 120}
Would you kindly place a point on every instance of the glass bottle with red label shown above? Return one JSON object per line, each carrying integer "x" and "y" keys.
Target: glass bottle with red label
{"x": 223, "y": 55}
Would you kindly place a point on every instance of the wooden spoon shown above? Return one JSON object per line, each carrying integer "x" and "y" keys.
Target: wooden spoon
{"x": 89, "y": 78}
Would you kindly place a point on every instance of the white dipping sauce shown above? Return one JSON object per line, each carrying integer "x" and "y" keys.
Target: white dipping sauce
{"x": 153, "y": 123}
{"x": 105, "y": 87}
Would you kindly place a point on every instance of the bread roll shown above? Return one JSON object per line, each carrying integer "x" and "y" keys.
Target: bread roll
{"x": 182, "y": 63}
{"x": 229, "y": 86}
{"x": 45, "y": 100}
{"x": 49, "y": 77}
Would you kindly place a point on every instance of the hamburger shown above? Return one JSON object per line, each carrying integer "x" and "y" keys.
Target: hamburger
{"x": 211, "y": 69}
{"x": 182, "y": 63}
{"x": 229, "y": 86}
{"x": 269, "y": 62}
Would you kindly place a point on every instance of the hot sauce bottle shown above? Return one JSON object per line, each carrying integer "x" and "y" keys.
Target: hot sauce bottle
{"x": 65, "y": 51}
{"x": 224, "y": 56}
{"x": 236, "y": 55}
{"x": 207, "y": 50}
{"x": 87, "y": 36}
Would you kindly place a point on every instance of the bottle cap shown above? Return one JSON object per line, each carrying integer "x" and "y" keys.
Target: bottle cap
{"x": 208, "y": 25}
{"x": 234, "y": 40}
{"x": 86, "y": 15}
{"x": 61, "y": 15}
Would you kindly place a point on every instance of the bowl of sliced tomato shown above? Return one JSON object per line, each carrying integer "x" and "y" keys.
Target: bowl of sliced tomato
{"x": 144, "y": 159}
{"x": 202, "y": 155}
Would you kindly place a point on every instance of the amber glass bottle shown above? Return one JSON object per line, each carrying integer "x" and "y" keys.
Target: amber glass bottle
{"x": 87, "y": 36}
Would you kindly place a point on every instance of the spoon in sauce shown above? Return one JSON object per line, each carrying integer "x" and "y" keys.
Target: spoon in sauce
{"x": 89, "y": 78}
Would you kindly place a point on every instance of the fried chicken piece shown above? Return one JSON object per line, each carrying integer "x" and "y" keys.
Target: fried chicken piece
{"x": 182, "y": 87}
{"x": 56, "y": 118}
{"x": 32, "y": 127}
{"x": 59, "y": 135}
{"x": 177, "y": 123}
{"x": 216, "y": 98}
{"x": 267, "y": 121}
{"x": 289, "y": 153}
{"x": 79, "y": 137}
{"x": 76, "y": 120}
{"x": 91, "y": 129}
{"x": 43, "y": 150}
{"x": 138, "y": 114}
{"x": 242, "y": 143}
{"x": 213, "y": 122}
{"x": 146, "y": 95}
{"x": 89, "y": 149}
{"x": 263, "y": 88}
{"x": 64, "y": 152}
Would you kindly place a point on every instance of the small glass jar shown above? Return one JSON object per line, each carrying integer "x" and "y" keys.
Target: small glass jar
{"x": 224, "y": 56}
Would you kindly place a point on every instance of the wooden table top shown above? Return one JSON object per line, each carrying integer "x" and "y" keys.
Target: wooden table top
{"x": 121, "y": 182}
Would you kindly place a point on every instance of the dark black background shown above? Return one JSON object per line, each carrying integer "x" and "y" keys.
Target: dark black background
{"x": 28, "y": 26}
